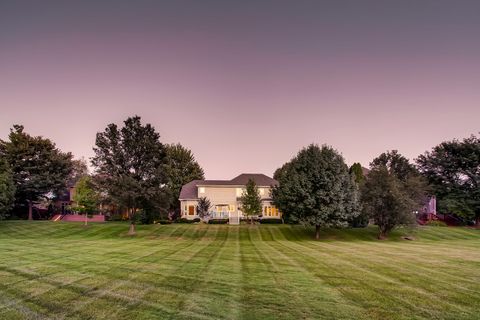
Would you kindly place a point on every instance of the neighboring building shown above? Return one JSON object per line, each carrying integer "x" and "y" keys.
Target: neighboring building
{"x": 224, "y": 196}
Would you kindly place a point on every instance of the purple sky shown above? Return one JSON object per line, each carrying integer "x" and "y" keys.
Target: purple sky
{"x": 244, "y": 84}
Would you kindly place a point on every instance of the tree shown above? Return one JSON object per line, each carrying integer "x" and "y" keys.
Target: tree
{"x": 129, "y": 167}
{"x": 316, "y": 189}
{"x": 251, "y": 203}
{"x": 79, "y": 170}
{"x": 7, "y": 188}
{"x": 452, "y": 169}
{"x": 357, "y": 171}
{"x": 86, "y": 197}
{"x": 38, "y": 167}
{"x": 180, "y": 168}
{"x": 392, "y": 191}
{"x": 203, "y": 207}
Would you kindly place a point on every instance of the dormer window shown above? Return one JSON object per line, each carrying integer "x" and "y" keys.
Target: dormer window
{"x": 201, "y": 190}
{"x": 261, "y": 191}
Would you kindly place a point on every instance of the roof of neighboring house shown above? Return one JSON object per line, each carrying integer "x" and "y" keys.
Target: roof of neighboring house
{"x": 189, "y": 191}
{"x": 365, "y": 171}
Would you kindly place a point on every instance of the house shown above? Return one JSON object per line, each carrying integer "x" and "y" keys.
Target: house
{"x": 224, "y": 196}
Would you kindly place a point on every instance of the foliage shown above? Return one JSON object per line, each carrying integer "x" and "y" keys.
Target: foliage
{"x": 165, "y": 221}
{"x": 315, "y": 188}
{"x": 436, "y": 223}
{"x": 452, "y": 169}
{"x": 250, "y": 200}
{"x": 185, "y": 220}
{"x": 218, "y": 221}
{"x": 180, "y": 168}
{"x": 129, "y": 167}
{"x": 361, "y": 220}
{"x": 271, "y": 221}
{"x": 85, "y": 196}
{"x": 7, "y": 188}
{"x": 203, "y": 207}
{"x": 79, "y": 170}
{"x": 392, "y": 191}
{"x": 38, "y": 167}
{"x": 357, "y": 171}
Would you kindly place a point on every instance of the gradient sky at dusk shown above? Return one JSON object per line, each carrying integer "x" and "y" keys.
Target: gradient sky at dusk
{"x": 244, "y": 84}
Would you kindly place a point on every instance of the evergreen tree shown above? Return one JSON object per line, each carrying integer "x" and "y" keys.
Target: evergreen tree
{"x": 38, "y": 167}
{"x": 360, "y": 221}
{"x": 357, "y": 171}
{"x": 203, "y": 207}
{"x": 180, "y": 168}
{"x": 250, "y": 200}
{"x": 7, "y": 188}
{"x": 392, "y": 191}
{"x": 129, "y": 167}
{"x": 315, "y": 188}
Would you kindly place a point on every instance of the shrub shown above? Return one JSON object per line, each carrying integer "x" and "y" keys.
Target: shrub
{"x": 217, "y": 221}
{"x": 436, "y": 223}
{"x": 271, "y": 221}
{"x": 165, "y": 222}
{"x": 196, "y": 220}
{"x": 184, "y": 220}
{"x": 115, "y": 217}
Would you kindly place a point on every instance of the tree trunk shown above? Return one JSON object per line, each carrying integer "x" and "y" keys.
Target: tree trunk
{"x": 317, "y": 232}
{"x": 86, "y": 218}
{"x": 382, "y": 235}
{"x": 477, "y": 222}
{"x": 131, "y": 231}
{"x": 30, "y": 209}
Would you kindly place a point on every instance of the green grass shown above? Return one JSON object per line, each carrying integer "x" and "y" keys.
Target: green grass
{"x": 60, "y": 270}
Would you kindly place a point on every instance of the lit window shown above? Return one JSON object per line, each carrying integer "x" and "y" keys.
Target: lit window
{"x": 239, "y": 192}
{"x": 261, "y": 191}
{"x": 201, "y": 190}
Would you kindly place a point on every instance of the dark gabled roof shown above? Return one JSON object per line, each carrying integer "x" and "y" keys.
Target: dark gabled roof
{"x": 189, "y": 191}
{"x": 260, "y": 179}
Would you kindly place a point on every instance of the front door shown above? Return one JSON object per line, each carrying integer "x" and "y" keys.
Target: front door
{"x": 191, "y": 210}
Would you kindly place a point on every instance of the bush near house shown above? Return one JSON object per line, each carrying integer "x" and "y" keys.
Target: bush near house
{"x": 436, "y": 223}
{"x": 271, "y": 221}
{"x": 218, "y": 221}
{"x": 185, "y": 220}
{"x": 165, "y": 222}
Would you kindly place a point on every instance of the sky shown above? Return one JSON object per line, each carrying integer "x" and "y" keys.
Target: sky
{"x": 244, "y": 84}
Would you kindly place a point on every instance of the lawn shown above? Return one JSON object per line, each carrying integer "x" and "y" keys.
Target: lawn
{"x": 55, "y": 270}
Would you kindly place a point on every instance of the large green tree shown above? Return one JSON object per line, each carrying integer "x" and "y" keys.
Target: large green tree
{"x": 392, "y": 191}
{"x": 180, "y": 168}
{"x": 453, "y": 171}
{"x": 39, "y": 168}
{"x": 315, "y": 188}
{"x": 129, "y": 166}
{"x": 7, "y": 188}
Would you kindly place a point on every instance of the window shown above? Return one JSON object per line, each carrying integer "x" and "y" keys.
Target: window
{"x": 201, "y": 190}
{"x": 231, "y": 208}
{"x": 239, "y": 192}
{"x": 261, "y": 191}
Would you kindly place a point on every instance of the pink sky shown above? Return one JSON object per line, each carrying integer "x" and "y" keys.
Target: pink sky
{"x": 245, "y": 86}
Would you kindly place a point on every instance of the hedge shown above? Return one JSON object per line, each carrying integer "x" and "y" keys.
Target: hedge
{"x": 217, "y": 221}
{"x": 271, "y": 221}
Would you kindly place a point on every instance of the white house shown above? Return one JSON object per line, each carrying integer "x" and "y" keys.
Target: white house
{"x": 224, "y": 196}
